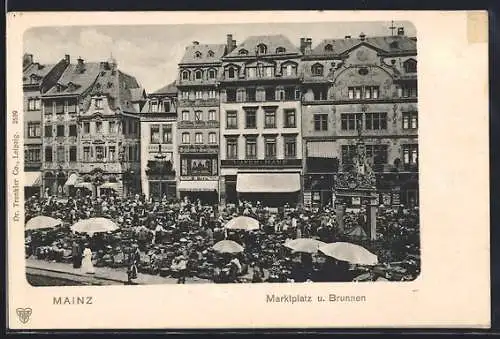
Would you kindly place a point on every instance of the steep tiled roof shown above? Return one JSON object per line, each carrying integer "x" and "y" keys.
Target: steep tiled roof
{"x": 200, "y": 53}
{"x": 137, "y": 94}
{"x": 171, "y": 89}
{"x": 36, "y": 69}
{"x": 272, "y": 42}
{"x": 75, "y": 80}
{"x": 388, "y": 44}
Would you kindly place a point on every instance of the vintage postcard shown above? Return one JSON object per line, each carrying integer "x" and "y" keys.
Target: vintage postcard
{"x": 265, "y": 170}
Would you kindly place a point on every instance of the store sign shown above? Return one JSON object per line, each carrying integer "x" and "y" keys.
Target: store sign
{"x": 199, "y": 178}
{"x": 212, "y": 149}
{"x": 262, "y": 163}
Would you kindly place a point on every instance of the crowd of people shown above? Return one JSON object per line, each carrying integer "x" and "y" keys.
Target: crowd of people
{"x": 175, "y": 238}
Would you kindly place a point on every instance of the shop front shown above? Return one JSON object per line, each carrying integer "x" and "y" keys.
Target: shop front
{"x": 32, "y": 184}
{"x": 200, "y": 189}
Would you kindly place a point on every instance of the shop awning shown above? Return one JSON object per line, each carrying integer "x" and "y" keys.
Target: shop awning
{"x": 112, "y": 185}
{"x": 268, "y": 182}
{"x": 198, "y": 186}
{"x": 32, "y": 178}
{"x": 73, "y": 178}
{"x": 86, "y": 185}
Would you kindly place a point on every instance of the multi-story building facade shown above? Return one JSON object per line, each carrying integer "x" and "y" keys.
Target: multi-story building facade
{"x": 159, "y": 156}
{"x": 37, "y": 78}
{"x": 361, "y": 89}
{"x": 261, "y": 142}
{"x": 198, "y": 121}
{"x": 91, "y": 137}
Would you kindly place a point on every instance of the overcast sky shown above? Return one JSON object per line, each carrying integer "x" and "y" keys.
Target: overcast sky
{"x": 151, "y": 53}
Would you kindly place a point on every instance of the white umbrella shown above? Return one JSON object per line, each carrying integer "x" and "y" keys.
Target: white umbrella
{"x": 228, "y": 246}
{"x": 243, "y": 223}
{"x": 352, "y": 253}
{"x": 306, "y": 245}
{"x": 42, "y": 221}
{"x": 94, "y": 225}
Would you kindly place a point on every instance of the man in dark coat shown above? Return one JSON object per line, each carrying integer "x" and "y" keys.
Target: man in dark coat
{"x": 76, "y": 254}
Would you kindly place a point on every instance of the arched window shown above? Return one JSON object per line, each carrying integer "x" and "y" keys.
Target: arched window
{"x": 410, "y": 66}
{"x": 243, "y": 52}
{"x": 197, "y": 54}
{"x": 317, "y": 69}
{"x": 280, "y": 50}
{"x": 185, "y": 75}
{"x": 212, "y": 74}
{"x": 211, "y": 54}
{"x": 198, "y": 74}
{"x": 261, "y": 49}
{"x": 328, "y": 48}
{"x": 231, "y": 72}
{"x": 288, "y": 69}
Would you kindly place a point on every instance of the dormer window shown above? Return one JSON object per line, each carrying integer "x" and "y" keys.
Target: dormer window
{"x": 154, "y": 106}
{"x": 212, "y": 74}
{"x": 198, "y": 74}
{"x": 185, "y": 75}
{"x": 328, "y": 48}
{"x": 243, "y": 52}
{"x": 197, "y": 54}
{"x": 317, "y": 70}
{"x": 410, "y": 66}
{"x": 261, "y": 49}
{"x": 98, "y": 103}
{"x": 211, "y": 54}
{"x": 280, "y": 50}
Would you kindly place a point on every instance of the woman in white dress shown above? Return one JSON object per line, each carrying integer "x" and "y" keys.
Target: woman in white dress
{"x": 87, "y": 266}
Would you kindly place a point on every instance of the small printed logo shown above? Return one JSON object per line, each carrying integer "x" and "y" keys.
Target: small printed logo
{"x": 24, "y": 314}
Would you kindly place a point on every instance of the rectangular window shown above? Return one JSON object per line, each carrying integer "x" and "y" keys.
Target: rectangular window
{"x": 240, "y": 95}
{"x": 270, "y": 147}
{"x": 212, "y": 94}
{"x": 289, "y": 93}
{"x": 98, "y": 127}
{"x": 290, "y": 147}
{"x": 198, "y": 115}
{"x": 290, "y": 121}
{"x": 48, "y": 107}
{"x": 71, "y": 106}
{"x": 231, "y": 120}
{"x": 212, "y": 115}
{"x": 154, "y": 106}
{"x": 377, "y": 153}
{"x": 60, "y": 156}
{"x": 112, "y": 153}
{"x": 371, "y": 92}
{"x": 280, "y": 94}
{"x": 185, "y": 138}
{"x": 320, "y": 93}
{"x": 230, "y": 95}
{"x": 212, "y": 138}
{"x": 184, "y": 166}
{"x": 198, "y": 95}
{"x": 232, "y": 148}
{"x": 251, "y": 148}
{"x": 99, "y": 153}
{"x": 60, "y": 130}
{"x": 410, "y": 120}
{"x": 48, "y": 154}
{"x": 155, "y": 134}
{"x": 250, "y": 119}
{"x": 321, "y": 122}
{"x": 198, "y": 138}
{"x": 270, "y": 119}
{"x": 251, "y": 72}
{"x": 32, "y": 155}
{"x": 166, "y": 106}
{"x": 72, "y": 153}
{"x": 48, "y": 131}
{"x": 167, "y": 134}
{"x": 298, "y": 94}
{"x": 34, "y": 104}
{"x": 72, "y": 131}
{"x": 86, "y": 128}
{"x": 348, "y": 153}
{"x": 269, "y": 72}
{"x": 251, "y": 94}
{"x": 376, "y": 121}
{"x": 185, "y": 116}
{"x": 270, "y": 94}
{"x": 86, "y": 153}
{"x": 34, "y": 130}
{"x": 98, "y": 103}
{"x": 59, "y": 107}
{"x": 409, "y": 91}
{"x": 351, "y": 121}
{"x": 185, "y": 95}
{"x": 410, "y": 154}
{"x": 112, "y": 127}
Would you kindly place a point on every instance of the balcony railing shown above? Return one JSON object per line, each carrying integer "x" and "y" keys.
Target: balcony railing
{"x": 198, "y": 124}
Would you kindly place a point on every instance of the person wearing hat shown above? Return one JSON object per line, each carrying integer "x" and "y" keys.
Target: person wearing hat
{"x": 76, "y": 254}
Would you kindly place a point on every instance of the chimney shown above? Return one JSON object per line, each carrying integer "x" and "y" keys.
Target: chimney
{"x": 308, "y": 45}
{"x": 302, "y": 45}
{"x": 401, "y": 31}
{"x": 347, "y": 36}
{"x": 80, "y": 67}
{"x": 196, "y": 43}
{"x": 27, "y": 59}
{"x": 67, "y": 58}
{"x": 229, "y": 43}
{"x": 234, "y": 45}
{"x": 362, "y": 36}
